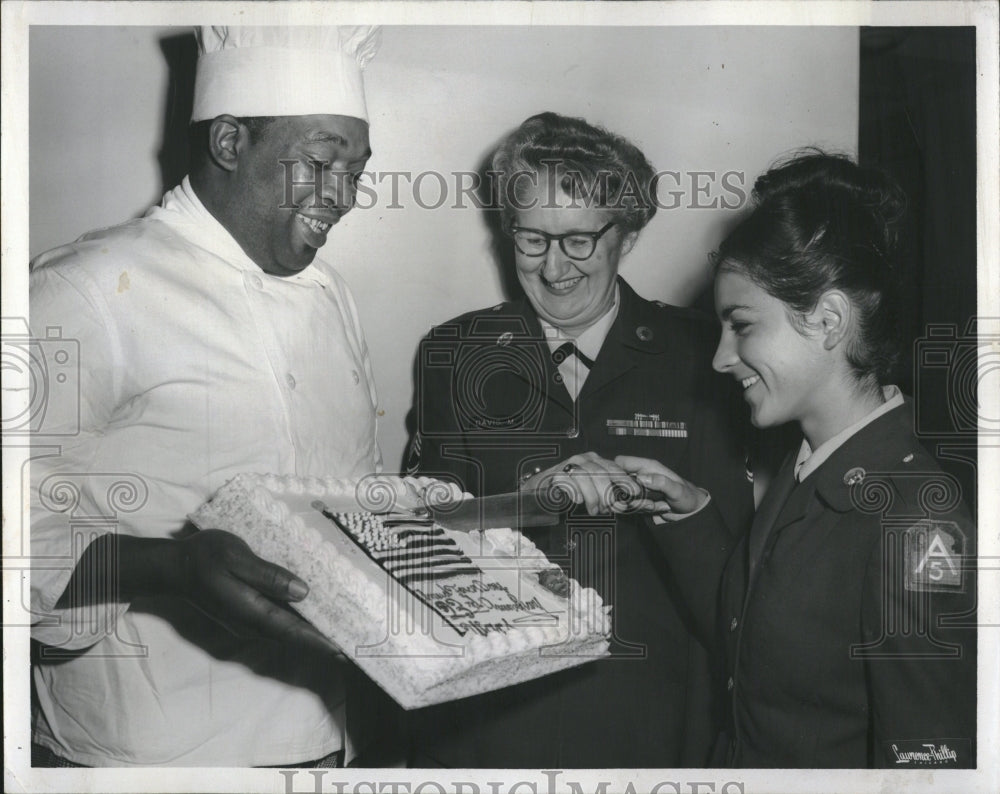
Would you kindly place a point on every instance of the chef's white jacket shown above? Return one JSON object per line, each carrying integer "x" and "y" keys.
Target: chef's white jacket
{"x": 167, "y": 363}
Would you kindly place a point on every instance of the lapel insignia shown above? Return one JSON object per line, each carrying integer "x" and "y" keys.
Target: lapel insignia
{"x": 854, "y": 476}
{"x": 934, "y": 552}
{"x": 647, "y": 425}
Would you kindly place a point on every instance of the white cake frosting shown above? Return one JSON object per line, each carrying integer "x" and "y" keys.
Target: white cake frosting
{"x": 464, "y": 613}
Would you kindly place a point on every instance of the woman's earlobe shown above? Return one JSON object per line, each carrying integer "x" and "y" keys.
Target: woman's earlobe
{"x": 836, "y": 316}
{"x": 628, "y": 242}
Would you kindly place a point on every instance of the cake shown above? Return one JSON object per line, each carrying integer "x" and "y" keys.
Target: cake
{"x": 429, "y": 613}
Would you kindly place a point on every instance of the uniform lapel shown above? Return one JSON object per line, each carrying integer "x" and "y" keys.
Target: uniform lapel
{"x": 552, "y": 390}
{"x": 870, "y": 449}
{"x": 770, "y": 508}
{"x": 630, "y": 339}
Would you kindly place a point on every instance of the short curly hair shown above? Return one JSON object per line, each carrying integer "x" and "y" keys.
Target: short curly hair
{"x": 587, "y": 162}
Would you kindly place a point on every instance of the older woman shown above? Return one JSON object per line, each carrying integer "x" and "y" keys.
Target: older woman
{"x": 577, "y": 371}
{"x": 848, "y": 610}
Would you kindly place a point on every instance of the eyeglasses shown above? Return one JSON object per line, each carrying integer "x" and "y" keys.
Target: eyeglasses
{"x": 576, "y": 245}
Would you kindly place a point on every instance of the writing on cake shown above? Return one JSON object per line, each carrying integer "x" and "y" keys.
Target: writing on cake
{"x": 428, "y": 562}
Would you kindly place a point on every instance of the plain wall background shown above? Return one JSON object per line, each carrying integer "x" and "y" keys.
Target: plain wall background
{"x": 708, "y": 99}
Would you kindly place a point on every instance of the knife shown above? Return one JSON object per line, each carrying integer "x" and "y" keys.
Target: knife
{"x": 517, "y": 509}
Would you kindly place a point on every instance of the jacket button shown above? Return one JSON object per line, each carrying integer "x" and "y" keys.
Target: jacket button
{"x": 733, "y": 624}
{"x": 290, "y": 380}
{"x": 730, "y": 684}
{"x": 257, "y": 283}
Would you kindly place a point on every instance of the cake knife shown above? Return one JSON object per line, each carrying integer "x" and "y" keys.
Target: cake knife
{"x": 517, "y": 509}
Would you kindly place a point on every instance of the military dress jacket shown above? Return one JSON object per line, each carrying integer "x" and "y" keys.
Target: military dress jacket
{"x": 846, "y": 615}
{"x": 491, "y": 408}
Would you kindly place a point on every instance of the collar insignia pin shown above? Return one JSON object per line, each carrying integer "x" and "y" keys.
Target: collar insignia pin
{"x": 854, "y": 476}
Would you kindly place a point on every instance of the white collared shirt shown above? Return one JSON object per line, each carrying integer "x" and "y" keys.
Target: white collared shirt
{"x": 193, "y": 365}
{"x": 589, "y": 342}
{"x": 809, "y": 460}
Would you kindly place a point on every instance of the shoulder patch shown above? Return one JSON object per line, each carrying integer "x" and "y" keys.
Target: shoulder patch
{"x": 934, "y": 553}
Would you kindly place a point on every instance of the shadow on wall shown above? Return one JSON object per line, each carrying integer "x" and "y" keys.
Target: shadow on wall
{"x": 501, "y": 248}
{"x": 181, "y": 54}
{"x": 501, "y": 244}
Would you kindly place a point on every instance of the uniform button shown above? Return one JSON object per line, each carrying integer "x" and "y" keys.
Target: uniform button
{"x": 355, "y": 377}
{"x": 733, "y": 624}
{"x": 730, "y": 684}
{"x": 255, "y": 280}
{"x": 290, "y": 380}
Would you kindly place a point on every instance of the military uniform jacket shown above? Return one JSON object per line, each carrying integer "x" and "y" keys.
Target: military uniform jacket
{"x": 491, "y": 408}
{"x": 846, "y": 615}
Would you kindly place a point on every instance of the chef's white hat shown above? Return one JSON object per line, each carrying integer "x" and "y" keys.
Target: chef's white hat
{"x": 282, "y": 71}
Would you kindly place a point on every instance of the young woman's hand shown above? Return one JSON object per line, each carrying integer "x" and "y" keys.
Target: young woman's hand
{"x": 678, "y": 495}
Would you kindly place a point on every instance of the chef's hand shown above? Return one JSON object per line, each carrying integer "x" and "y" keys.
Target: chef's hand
{"x": 679, "y": 495}
{"x": 218, "y": 573}
{"x": 587, "y": 479}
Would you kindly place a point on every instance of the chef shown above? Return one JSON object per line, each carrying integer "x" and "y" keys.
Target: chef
{"x": 211, "y": 341}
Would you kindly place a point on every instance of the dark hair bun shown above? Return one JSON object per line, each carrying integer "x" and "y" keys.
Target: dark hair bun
{"x": 837, "y": 188}
{"x": 821, "y": 222}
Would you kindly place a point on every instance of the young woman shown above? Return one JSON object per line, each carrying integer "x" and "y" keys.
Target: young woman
{"x": 845, "y": 616}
